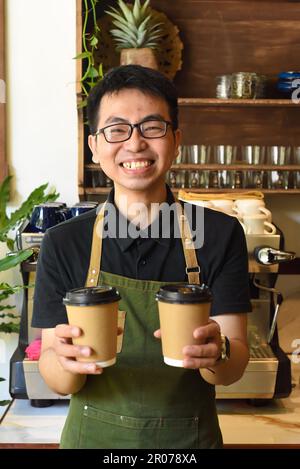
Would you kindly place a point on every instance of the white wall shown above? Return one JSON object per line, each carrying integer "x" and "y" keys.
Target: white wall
{"x": 42, "y": 116}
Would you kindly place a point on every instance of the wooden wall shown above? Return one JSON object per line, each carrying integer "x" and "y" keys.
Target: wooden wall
{"x": 222, "y": 37}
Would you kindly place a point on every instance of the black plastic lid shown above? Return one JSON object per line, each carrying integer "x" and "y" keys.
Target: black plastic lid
{"x": 91, "y": 296}
{"x": 184, "y": 293}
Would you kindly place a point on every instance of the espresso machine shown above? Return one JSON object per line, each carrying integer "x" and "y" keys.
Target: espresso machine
{"x": 268, "y": 373}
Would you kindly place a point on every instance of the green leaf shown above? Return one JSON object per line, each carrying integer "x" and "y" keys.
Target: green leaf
{"x": 11, "y": 261}
{"x": 123, "y": 35}
{"x": 6, "y": 289}
{"x": 94, "y": 41}
{"x": 9, "y": 315}
{"x": 4, "y": 198}
{"x": 4, "y": 307}
{"x": 9, "y": 327}
{"x": 2, "y": 379}
{"x": 142, "y": 26}
{"x": 137, "y": 10}
{"x": 3, "y": 403}
{"x": 125, "y": 28}
{"x": 117, "y": 17}
{"x": 82, "y": 104}
{"x": 36, "y": 197}
{"x": 145, "y": 7}
{"x": 83, "y": 55}
{"x": 126, "y": 11}
{"x": 93, "y": 73}
{"x": 10, "y": 244}
{"x": 141, "y": 39}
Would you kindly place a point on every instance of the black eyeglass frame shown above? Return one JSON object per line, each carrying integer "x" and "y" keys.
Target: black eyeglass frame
{"x": 133, "y": 126}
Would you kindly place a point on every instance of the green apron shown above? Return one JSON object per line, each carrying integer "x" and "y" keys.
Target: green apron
{"x": 141, "y": 402}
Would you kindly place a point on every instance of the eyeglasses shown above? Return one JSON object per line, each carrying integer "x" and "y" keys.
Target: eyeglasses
{"x": 115, "y": 133}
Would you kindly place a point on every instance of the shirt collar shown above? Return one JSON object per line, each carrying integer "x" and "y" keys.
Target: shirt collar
{"x": 126, "y": 243}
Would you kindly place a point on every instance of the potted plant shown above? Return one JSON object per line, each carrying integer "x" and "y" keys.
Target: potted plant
{"x": 7, "y": 225}
{"x": 136, "y": 33}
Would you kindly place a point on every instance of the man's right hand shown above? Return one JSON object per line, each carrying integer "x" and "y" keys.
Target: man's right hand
{"x": 67, "y": 353}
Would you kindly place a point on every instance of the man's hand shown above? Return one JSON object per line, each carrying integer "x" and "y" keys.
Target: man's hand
{"x": 205, "y": 354}
{"x": 67, "y": 352}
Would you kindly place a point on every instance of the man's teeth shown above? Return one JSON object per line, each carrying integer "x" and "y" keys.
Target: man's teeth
{"x": 137, "y": 164}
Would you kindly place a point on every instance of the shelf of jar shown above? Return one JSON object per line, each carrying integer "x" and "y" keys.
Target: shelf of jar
{"x": 218, "y": 167}
{"x": 237, "y": 102}
{"x": 106, "y": 190}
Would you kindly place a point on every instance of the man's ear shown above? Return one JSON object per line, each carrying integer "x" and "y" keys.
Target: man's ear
{"x": 92, "y": 142}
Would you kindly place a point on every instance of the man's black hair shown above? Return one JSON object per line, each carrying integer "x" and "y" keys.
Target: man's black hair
{"x": 147, "y": 80}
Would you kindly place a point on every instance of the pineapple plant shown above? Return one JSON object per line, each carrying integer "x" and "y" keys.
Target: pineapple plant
{"x": 136, "y": 33}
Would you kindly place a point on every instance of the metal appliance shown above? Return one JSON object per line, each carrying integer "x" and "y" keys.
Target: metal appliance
{"x": 268, "y": 374}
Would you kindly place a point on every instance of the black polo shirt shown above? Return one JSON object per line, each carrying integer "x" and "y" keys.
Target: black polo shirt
{"x": 65, "y": 254}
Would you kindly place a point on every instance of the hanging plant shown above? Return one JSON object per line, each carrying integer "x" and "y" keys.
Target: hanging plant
{"x": 92, "y": 74}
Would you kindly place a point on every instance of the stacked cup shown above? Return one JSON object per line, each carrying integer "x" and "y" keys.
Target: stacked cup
{"x": 256, "y": 217}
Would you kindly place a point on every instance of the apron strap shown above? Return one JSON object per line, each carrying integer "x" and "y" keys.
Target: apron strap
{"x": 192, "y": 267}
{"x": 96, "y": 251}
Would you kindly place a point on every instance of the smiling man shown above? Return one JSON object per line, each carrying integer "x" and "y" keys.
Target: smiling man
{"x": 141, "y": 402}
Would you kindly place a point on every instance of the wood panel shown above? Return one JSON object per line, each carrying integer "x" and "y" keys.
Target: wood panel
{"x": 3, "y": 162}
{"x": 222, "y": 37}
{"x": 242, "y": 126}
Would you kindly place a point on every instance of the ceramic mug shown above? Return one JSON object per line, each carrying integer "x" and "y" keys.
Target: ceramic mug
{"x": 258, "y": 224}
{"x": 45, "y": 216}
{"x": 77, "y": 210}
{"x": 246, "y": 207}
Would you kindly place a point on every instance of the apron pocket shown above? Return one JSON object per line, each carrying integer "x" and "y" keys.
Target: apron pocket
{"x": 102, "y": 429}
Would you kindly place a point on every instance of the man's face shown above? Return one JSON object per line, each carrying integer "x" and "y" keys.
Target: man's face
{"x": 155, "y": 156}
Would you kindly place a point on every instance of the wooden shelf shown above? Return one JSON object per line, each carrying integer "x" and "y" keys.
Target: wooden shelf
{"x": 106, "y": 190}
{"x": 216, "y": 190}
{"x": 237, "y": 102}
{"x": 216, "y": 44}
{"x": 237, "y": 167}
{"x": 218, "y": 167}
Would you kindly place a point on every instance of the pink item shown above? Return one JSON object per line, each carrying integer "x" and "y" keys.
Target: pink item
{"x": 33, "y": 351}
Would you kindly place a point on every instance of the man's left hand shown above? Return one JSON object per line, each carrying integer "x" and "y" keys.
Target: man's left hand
{"x": 207, "y": 353}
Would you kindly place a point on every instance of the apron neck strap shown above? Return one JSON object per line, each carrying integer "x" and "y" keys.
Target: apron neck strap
{"x": 96, "y": 251}
{"x": 192, "y": 268}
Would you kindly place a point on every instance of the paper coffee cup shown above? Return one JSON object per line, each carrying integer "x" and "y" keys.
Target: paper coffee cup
{"x": 95, "y": 311}
{"x": 182, "y": 308}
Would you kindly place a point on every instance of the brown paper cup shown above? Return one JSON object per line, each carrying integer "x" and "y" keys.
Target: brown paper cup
{"x": 98, "y": 322}
{"x": 178, "y": 322}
